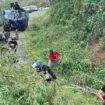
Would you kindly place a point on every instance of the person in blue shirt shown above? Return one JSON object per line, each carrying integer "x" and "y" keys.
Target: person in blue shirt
{"x": 7, "y": 29}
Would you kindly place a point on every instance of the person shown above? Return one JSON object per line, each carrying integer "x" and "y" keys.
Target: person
{"x": 16, "y": 9}
{"x": 12, "y": 5}
{"x": 52, "y": 56}
{"x": 100, "y": 94}
{"x": 16, "y": 6}
{"x": 17, "y": 34}
{"x": 6, "y": 30}
{"x": 45, "y": 69}
{"x": 13, "y": 45}
{"x": 2, "y": 36}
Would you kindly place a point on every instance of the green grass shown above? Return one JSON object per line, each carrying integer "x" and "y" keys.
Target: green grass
{"x": 74, "y": 70}
{"x": 43, "y": 35}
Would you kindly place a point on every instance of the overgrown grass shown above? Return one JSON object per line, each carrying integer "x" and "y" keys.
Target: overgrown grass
{"x": 43, "y": 35}
{"x": 74, "y": 70}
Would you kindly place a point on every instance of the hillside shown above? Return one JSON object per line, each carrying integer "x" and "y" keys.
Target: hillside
{"x": 67, "y": 27}
{"x": 75, "y": 68}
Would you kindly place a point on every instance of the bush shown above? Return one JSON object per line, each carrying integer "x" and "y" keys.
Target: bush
{"x": 102, "y": 44}
{"x": 86, "y": 18}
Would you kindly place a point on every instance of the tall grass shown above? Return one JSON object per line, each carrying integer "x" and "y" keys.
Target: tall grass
{"x": 84, "y": 18}
{"x": 77, "y": 78}
{"x": 73, "y": 67}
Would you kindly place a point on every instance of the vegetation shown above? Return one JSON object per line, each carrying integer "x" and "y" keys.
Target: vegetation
{"x": 85, "y": 17}
{"x": 69, "y": 26}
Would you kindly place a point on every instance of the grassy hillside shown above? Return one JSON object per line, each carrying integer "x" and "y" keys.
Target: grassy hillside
{"x": 70, "y": 27}
{"x": 74, "y": 64}
{"x": 85, "y": 18}
{"x": 18, "y": 87}
{"x": 63, "y": 28}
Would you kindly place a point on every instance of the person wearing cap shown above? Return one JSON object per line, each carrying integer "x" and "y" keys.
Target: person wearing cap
{"x": 101, "y": 95}
{"x": 16, "y": 9}
{"x": 11, "y": 5}
{"x": 16, "y": 6}
{"x": 52, "y": 56}
{"x": 45, "y": 69}
{"x": 13, "y": 44}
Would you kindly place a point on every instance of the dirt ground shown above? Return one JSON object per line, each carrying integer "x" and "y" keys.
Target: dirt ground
{"x": 98, "y": 56}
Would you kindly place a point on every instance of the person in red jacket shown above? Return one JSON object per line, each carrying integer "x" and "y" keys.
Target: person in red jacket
{"x": 52, "y": 56}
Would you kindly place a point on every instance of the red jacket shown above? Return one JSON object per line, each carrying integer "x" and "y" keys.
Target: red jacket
{"x": 53, "y": 56}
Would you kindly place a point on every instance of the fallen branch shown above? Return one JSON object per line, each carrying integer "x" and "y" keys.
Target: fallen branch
{"x": 84, "y": 89}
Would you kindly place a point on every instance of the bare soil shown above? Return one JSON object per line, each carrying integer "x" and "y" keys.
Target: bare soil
{"x": 98, "y": 57}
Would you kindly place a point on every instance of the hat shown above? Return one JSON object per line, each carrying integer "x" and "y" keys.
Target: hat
{"x": 37, "y": 64}
{"x": 12, "y": 45}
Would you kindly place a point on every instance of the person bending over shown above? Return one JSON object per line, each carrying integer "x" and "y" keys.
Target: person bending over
{"x": 49, "y": 75}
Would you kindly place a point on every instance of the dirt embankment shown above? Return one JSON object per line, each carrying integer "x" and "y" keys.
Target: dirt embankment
{"x": 98, "y": 56}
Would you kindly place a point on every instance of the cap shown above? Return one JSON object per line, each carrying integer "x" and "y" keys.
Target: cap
{"x": 12, "y": 45}
{"x": 37, "y": 64}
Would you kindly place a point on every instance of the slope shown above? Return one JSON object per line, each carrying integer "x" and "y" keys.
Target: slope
{"x": 77, "y": 78}
{"x": 74, "y": 67}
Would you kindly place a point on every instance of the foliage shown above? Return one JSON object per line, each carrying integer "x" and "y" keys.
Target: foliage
{"x": 74, "y": 64}
{"x": 67, "y": 28}
{"x": 85, "y": 18}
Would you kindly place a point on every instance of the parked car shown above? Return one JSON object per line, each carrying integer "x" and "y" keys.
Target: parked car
{"x": 20, "y": 21}
{"x": 33, "y": 8}
{"x": 28, "y": 9}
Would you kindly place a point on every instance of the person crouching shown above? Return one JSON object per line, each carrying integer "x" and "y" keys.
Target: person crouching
{"x": 49, "y": 75}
